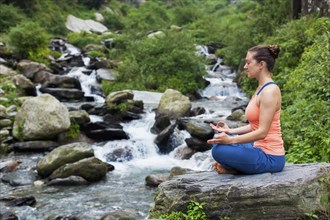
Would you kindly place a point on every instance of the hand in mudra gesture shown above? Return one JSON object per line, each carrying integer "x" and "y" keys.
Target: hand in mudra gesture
{"x": 220, "y": 127}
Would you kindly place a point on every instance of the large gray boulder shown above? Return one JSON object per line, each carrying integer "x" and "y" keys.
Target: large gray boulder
{"x": 91, "y": 169}
{"x": 42, "y": 117}
{"x": 285, "y": 195}
{"x": 77, "y": 25}
{"x": 174, "y": 104}
{"x": 62, "y": 155}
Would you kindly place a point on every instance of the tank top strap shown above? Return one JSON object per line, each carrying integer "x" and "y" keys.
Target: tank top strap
{"x": 269, "y": 83}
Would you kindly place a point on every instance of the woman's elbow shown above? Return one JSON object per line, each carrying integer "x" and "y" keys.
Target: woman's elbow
{"x": 262, "y": 134}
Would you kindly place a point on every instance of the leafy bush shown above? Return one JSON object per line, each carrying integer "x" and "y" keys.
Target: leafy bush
{"x": 11, "y": 92}
{"x": 73, "y": 131}
{"x": 95, "y": 53}
{"x": 10, "y": 16}
{"x": 113, "y": 21}
{"x": 53, "y": 17}
{"x": 151, "y": 15}
{"x": 160, "y": 63}
{"x": 306, "y": 122}
{"x": 92, "y": 3}
{"x": 185, "y": 15}
{"x": 83, "y": 38}
{"x": 27, "y": 37}
{"x": 195, "y": 212}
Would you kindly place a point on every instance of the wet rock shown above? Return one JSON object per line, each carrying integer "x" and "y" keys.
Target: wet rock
{"x": 163, "y": 138}
{"x": 4, "y": 134}
{"x": 19, "y": 178}
{"x": 8, "y": 216}
{"x": 294, "y": 191}
{"x": 68, "y": 181}
{"x": 102, "y": 131}
{"x": 67, "y": 217}
{"x": 25, "y": 85}
{"x": 29, "y": 68}
{"x": 5, "y": 123}
{"x": 119, "y": 97}
{"x": 34, "y": 146}
{"x": 91, "y": 169}
{"x": 40, "y": 118}
{"x": 80, "y": 117}
{"x": 63, "y": 94}
{"x": 184, "y": 153}
{"x": 177, "y": 171}
{"x": 3, "y": 111}
{"x": 197, "y": 111}
{"x": 120, "y": 154}
{"x": 236, "y": 115}
{"x": 233, "y": 101}
{"x": 6, "y": 70}
{"x": 156, "y": 34}
{"x": 197, "y": 144}
{"x": 162, "y": 121}
{"x": 174, "y": 104}
{"x": 22, "y": 201}
{"x": 125, "y": 214}
{"x": 197, "y": 128}
{"x": 105, "y": 74}
{"x": 77, "y": 25}
{"x": 156, "y": 179}
{"x": 62, "y": 155}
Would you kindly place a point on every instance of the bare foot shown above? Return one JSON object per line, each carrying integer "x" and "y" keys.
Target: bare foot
{"x": 221, "y": 170}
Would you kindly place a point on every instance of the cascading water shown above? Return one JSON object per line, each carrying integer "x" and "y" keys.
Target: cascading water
{"x": 124, "y": 188}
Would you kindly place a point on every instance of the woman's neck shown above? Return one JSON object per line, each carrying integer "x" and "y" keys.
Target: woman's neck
{"x": 264, "y": 78}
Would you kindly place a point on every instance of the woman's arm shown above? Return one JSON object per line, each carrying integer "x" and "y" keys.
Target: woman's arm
{"x": 241, "y": 130}
{"x": 223, "y": 127}
{"x": 268, "y": 105}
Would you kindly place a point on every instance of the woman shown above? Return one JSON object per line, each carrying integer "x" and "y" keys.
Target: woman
{"x": 258, "y": 146}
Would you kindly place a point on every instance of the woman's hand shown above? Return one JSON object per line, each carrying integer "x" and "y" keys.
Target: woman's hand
{"x": 221, "y": 138}
{"x": 221, "y": 127}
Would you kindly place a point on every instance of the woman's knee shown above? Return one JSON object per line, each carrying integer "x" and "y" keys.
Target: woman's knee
{"x": 220, "y": 152}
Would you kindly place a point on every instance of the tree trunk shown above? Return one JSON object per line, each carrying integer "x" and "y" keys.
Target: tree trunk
{"x": 296, "y": 8}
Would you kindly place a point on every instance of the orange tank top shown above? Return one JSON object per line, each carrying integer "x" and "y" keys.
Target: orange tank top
{"x": 273, "y": 142}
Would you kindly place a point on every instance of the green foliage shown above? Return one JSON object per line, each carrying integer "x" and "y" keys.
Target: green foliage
{"x": 27, "y": 37}
{"x": 11, "y": 93}
{"x": 151, "y": 15}
{"x": 52, "y": 14}
{"x": 95, "y": 53}
{"x": 5, "y": 149}
{"x": 306, "y": 121}
{"x": 160, "y": 63}
{"x": 184, "y": 15}
{"x": 73, "y": 132}
{"x": 83, "y": 38}
{"x": 9, "y": 16}
{"x": 92, "y": 3}
{"x": 113, "y": 21}
{"x": 119, "y": 108}
{"x": 195, "y": 212}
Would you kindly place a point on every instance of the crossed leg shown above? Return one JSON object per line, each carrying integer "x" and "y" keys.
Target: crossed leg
{"x": 221, "y": 170}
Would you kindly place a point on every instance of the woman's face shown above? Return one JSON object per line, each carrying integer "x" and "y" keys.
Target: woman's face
{"x": 252, "y": 67}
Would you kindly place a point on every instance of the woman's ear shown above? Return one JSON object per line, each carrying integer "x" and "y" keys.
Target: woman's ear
{"x": 262, "y": 64}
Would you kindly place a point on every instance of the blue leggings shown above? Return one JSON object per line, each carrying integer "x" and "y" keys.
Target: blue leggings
{"x": 246, "y": 158}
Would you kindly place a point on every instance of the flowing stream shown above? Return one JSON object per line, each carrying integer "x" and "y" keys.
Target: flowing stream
{"x": 124, "y": 188}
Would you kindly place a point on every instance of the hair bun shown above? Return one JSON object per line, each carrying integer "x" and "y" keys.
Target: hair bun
{"x": 274, "y": 50}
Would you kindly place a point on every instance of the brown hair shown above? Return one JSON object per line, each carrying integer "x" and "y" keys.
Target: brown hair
{"x": 267, "y": 53}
